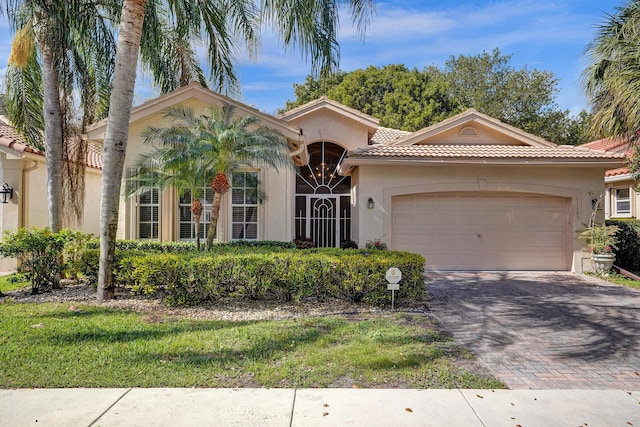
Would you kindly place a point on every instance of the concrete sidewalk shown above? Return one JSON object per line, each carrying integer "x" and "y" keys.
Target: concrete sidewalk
{"x": 317, "y": 407}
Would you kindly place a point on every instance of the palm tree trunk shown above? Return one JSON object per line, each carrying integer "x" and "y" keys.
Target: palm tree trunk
{"x": 115, "y": 142}
{"x": 197, "y": 220}
{"x": 52, "y": 138}
{"x": 215, "y": 215}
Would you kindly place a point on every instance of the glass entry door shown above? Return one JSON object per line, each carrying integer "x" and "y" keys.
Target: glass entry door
{"x": 323, "y": 201}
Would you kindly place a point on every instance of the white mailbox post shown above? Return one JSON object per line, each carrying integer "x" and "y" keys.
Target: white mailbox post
{"x": 394, "y": 275}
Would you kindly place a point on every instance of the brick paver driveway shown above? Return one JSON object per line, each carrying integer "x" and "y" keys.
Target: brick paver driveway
{"x": 543, "y": 330}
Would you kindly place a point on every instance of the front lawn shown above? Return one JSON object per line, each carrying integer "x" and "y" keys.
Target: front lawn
{"x": 12, "y": 282}
{"x": 71, "y": 345}
{"x": 619, "y": 279}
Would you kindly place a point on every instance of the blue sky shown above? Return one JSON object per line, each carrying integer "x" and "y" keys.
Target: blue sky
{"x": 547, "y": 35}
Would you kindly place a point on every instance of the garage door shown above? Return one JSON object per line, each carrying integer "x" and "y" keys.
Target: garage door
{"x": 484, "y": 231}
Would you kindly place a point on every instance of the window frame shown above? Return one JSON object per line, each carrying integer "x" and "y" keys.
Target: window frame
{"x": 139, "y": 222}
{"x": 615, "y": 200}
{"x": 205, "y": 219}
{"x": 234, "y": 206}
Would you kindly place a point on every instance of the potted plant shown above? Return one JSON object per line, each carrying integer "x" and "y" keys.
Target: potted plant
{"x": 601, "y": 240}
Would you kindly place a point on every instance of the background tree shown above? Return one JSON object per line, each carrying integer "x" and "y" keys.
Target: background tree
{"x": 411, "y": 99}
{"x": 401, "y": 98}
{"x": 3, "y": 104}
{"x": 310, "y": 25}
{"x": 611, "y": 79}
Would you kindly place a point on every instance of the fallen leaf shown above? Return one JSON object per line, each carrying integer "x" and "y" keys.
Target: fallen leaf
{"x": 513, "y": 418}
{"x": 480, "y": 397}
{"x": 324, "y": 414}
{"x": 39, "y": 325}
{"x": 354, "y": 386}
{"x": 513, "y": 404}
{"x": 408, "y": 409}
{"x": 629, "y": 423}
{"x": 325, "y": 405}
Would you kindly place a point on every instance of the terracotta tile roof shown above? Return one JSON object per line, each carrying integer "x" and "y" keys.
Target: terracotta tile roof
{"x": 612, "y": 145}
{"x": 11, "y": 139}
{"x": 615, "y": 145}
{"x": 487, "y": 152}
{"x": 386, "y": 135}
{"x": 617, "y": 172}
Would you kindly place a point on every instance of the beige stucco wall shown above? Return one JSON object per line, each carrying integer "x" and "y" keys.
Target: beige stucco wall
{"x": 383, "y": 182}
{"x": 28, "y": 207}
{"x": 329, "y": 126}
{"x": 275, "y": 220}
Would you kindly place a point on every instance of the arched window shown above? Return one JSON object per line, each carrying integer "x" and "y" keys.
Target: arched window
{"x": 323, "y": 200}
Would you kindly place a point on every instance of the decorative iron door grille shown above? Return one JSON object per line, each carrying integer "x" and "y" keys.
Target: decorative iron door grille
{"x": 323, "y": 201}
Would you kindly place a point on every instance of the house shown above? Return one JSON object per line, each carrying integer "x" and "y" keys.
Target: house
{"x": 469, "y": 193}
{"x": 620, "y": 198}
{"x": 23, "y": 170}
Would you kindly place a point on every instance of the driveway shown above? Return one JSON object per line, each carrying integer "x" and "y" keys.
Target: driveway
{"x": 543, "y": 330}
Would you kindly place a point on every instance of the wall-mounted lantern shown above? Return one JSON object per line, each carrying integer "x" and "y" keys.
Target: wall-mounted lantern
{"x": 6, "y": 192}
{"x": 370, "y": 203}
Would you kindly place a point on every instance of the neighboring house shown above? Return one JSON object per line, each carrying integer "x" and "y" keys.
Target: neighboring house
{"x": 469, "y": 193}
{"x": 24, "y": 170}
{"x": 620, "y": 198}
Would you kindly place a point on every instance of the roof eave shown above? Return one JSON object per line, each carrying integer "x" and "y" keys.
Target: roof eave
{"x": 604, "y": 163}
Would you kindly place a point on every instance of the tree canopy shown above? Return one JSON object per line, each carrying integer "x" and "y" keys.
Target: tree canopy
{"x": 410, "y": 99}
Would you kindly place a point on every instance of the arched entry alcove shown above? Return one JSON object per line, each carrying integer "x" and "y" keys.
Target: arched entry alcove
{"x": 323, "y": 200}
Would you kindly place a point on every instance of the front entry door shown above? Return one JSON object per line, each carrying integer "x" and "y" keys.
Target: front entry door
{"x": 323, "y": 202}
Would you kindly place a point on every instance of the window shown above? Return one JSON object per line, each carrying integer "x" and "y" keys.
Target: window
{"x": 244, "y": 206}
{"x": 187, "y": 225}
{"x": 148, "y": 215}
{"x": 622, "y": 202}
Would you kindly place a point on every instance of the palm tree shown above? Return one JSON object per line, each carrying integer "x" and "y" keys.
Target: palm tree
{"x": 612, "y": 78}
{"x": 308, "y": 24}
{"x": 171, "y": 163}
{"x": 75, "y": 45}
{"x": 229, "y": 142}
{"x": 210, "y": 147}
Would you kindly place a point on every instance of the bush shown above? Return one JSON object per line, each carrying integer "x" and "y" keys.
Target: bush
{"x": 39, "y": 254}
{"x": 185, "y": 247}
{"x": 304, "y": 243}
{"x": 628, "y": 247}
{"x": 286, "y": 275}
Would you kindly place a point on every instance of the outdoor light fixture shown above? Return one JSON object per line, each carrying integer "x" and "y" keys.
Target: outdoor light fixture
{"x": 6, "y": 192}
{"x": 370, "y": 203}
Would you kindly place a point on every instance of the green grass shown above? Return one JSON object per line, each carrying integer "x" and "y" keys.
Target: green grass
{"x": 619, "y": 279}
{"x": 62, "y": 345}
{"x": 13, "y": 282}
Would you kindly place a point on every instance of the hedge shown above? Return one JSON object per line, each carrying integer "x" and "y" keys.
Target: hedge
{"x": 628, "y": 251}
{"x": 172, "y": 247}
{"x": 287, "y": 275}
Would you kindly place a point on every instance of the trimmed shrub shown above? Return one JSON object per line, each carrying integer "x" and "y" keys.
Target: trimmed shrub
{"x": 628, "y": 247}
{"x": 181, "y": 247}
{"x": 39, "y": 252}
{"x": 285, "y": 275}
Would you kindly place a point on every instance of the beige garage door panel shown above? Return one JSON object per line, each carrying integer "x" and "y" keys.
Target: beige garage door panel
{"x": 484, "y": 231}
